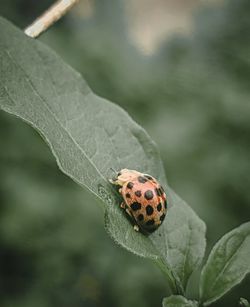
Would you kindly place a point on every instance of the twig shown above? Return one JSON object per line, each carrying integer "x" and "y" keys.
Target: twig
{"x": 49, "y": 17}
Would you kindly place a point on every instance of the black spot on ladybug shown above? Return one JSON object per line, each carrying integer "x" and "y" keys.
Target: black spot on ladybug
{"x": 142, "y": 179}
{"x": 138, "y": 193}
{"x": 130, "y": 185}
{"x": 135, "y": 206}
{"x": 161, "y": 189}
{"x": 149, "y": 210}
{"x": 165, "y": 204}
{"x": 140, "y": 217}
{"x": 162, "y": 217}
{"x": 148, "y": 194}
{"x": 158, "y": 191}
{"x": 128, "y": 195}
{"x": 150, "y": 222}
{"x": 159, "y": 206}
{"x": 148, "y": 177}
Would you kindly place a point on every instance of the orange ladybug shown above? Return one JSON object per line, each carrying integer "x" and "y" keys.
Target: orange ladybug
{"x": 144, "y": 199}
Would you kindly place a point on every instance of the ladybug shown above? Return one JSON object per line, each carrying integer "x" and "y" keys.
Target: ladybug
{"x": 144, "y": 199}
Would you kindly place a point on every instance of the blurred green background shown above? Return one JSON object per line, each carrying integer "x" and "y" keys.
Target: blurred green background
{"x": 182, "y": 71}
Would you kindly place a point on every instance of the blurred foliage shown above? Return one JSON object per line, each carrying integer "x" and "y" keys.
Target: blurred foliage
{"x": 192, "y": 96}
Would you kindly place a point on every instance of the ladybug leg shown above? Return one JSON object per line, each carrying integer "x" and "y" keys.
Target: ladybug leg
{"x": 131, "y": 216}
{"x": 112, "y": 180}
{"x": 123, "y": 206}
{"x": 136, "y": 227}
{"x": 129, "y": 213}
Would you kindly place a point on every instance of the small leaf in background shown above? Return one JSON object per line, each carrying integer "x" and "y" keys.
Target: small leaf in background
{"x": 243, "y": 302}
{"x": 178, "y": 301}
{"x": 88, "y": 135}
{"x": 227, "y": 264}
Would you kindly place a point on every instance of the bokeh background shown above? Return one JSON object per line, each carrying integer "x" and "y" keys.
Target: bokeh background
{"x": 182, "y": 70}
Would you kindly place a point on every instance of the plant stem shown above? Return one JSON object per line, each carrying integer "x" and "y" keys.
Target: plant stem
{"x": 49, "y": 17}
{"x": 175, "y": 287}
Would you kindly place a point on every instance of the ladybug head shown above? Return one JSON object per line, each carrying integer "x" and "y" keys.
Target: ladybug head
{"x": 126, "y": 175}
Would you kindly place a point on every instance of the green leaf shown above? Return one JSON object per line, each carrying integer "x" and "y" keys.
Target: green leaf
{"x": 227, "y": 264}
{"x": 89, "y": 135}
{"x": 178, "y": 301}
